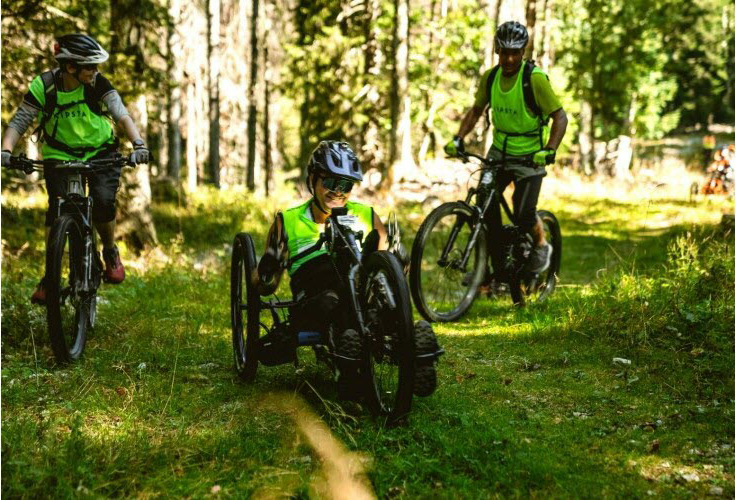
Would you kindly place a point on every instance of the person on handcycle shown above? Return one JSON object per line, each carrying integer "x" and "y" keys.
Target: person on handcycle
{"x": 73, "y": 126}
{"x": 292, "y": 245}
{"x": 522, "y": 101}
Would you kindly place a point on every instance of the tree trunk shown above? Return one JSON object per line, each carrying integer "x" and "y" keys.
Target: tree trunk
{"x": 400, "y": 101}
{"x": 267, "y": 173}
{"x": 531, "y": 21}
{"x": 173, "y": 103}
{"x": 251, "y": 179}
{"x": 493, "y": 9}
{"x": 372, "y": 152}
{"x": 213, "y": 53}
{"x": 192, "y": 134}
{"x": 134, "y": 221}
{"x": 585, "y": 139}
{"x": 542, "y": 54}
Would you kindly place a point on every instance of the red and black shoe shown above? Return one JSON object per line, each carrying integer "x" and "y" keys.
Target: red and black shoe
{"x": 39, "y": 294}
{"x": 114, "y": 270}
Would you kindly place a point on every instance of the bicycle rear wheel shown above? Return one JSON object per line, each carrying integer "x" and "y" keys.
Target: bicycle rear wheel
{"x": 244, "y": 298}
{"x": 388, "y": 353}
{"x": 67, "y": 304}
{"x": 527, "y": 288}
{"x": 442, "y": 288}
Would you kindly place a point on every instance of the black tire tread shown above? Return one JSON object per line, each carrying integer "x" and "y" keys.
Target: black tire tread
{"x": 416, "y": 260}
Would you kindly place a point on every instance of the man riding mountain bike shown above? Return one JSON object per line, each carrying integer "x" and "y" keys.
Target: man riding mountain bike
{"x": 522, "y": 101}
{"x": 74, "y": 126}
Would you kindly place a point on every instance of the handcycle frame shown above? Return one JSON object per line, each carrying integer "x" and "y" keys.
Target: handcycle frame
{"x": 379, "y": 312}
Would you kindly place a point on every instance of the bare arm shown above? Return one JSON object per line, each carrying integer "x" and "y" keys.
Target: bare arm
{"x": 271, "y": 266}
{"x": 557, "y": 130}
{"x": 382, "y": 233}
{"x": 469, "y": 120}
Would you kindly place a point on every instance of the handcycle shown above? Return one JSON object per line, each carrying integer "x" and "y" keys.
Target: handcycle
{"x": 390, "y": 363}
{"x": 73, "y": 264}
{"x": 449, "y": 255}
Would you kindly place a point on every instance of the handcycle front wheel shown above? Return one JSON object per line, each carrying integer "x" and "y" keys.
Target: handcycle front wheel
{"x": 388, "y": 352}
{"x": 245, "y": 307}
{"x": 67, "y": 305}
{"x": 528, "y": 289}
{"x": 442, "y": 287}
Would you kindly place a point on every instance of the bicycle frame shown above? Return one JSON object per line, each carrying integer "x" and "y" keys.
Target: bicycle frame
{"x": 488, "y": 178}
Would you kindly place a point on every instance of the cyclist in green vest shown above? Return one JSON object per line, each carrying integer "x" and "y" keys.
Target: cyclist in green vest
{"x": 519, "y": 134}
{"x": 73, "y": 126}
{"x": 332, "y": 171}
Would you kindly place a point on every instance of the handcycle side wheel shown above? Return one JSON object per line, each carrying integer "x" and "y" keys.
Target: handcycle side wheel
{"x": 67, "y": 306}
{"x": 525, "y": 289}
{"x": 445, "y": 290}
{"x": 388, "y": 352}
{"x": 245, "y": 307}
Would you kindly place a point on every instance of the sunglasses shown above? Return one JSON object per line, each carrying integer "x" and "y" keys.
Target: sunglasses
{"x": 336, "y": 184}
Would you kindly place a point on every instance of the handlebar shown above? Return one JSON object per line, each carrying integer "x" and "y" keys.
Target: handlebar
{"x": 22, "y": 162}
{"x": 466, "y": 155}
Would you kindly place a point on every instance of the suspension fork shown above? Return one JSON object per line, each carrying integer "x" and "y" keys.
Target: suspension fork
{"x": 353, "y": 292}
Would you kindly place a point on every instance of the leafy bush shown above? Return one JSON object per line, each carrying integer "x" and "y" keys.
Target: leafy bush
{"x": 690, "y": 304}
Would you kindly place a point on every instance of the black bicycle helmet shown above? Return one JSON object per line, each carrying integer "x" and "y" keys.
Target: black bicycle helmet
{"x": 79, "y": 49}
{"x": 511, "y": 35}
{"x": 335, "y": 158}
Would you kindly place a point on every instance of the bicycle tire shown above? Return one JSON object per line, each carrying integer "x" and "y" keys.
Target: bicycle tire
{"x": 244, "y": 333}
{"x": 390, "y": 345}
{"x": 62, "y": 275}
{"x": 425, "y": 275}
{"x": 523, "y": 290}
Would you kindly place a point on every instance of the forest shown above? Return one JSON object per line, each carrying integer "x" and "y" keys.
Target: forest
{"x": 620, "y": 384}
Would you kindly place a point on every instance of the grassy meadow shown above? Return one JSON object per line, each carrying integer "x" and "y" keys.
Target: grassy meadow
{"x": 530, "y": 402}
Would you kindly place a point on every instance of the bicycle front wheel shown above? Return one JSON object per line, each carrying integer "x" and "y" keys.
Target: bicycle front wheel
{"x": 67, "y": 303}
{"x": 443, "y": 287}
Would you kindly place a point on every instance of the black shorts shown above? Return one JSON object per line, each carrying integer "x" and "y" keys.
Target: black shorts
{"x": 103, "y": 186}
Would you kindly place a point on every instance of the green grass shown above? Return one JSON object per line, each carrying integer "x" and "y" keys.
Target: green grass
{"x": 530, "y": 402}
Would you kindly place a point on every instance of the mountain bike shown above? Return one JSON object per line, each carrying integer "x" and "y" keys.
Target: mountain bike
{"x": 391, "y": 361}
{"x": 450, "y": 253}
{"x": 73, "y": 264}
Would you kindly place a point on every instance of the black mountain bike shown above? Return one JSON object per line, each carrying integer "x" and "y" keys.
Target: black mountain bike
{"x": 389, "y": 364}
{"x": 73, "y": 264}
{"x": 449, "y": 255}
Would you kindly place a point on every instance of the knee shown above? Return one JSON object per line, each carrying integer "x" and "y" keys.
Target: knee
{"x": 103, "y": 210}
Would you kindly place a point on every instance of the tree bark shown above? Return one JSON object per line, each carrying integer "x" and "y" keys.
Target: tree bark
{"x": 267, "y": 173}
{"x": 134, "y": 222}
{"x": 531, "y": 21}
{"x": 173, "y": 103}
{"x": 251, "y": 179}
{"x": 213, "y": 46}
{"x": 372, "y": 151}
{"x": 400, "y": 100}
{"x": 585, "y": 138}
{"x": 192, "y": 134}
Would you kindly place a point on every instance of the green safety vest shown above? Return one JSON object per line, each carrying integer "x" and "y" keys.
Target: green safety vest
{"x": 72, "y": 131}
{"x": 302, "y": 232}
{"x": 516, "y": 131}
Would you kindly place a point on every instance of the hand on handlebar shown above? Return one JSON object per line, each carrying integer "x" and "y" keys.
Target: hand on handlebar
{"x": 544, "y": 157}
{"x": 455, "y": 147}
{"x": 139, "y": 155}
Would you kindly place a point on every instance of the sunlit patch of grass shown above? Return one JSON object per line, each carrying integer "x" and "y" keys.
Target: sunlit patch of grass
{"x": 530, "y": 402}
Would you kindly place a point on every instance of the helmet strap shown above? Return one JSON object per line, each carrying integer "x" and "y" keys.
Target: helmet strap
{"x": 319, "y": 206}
